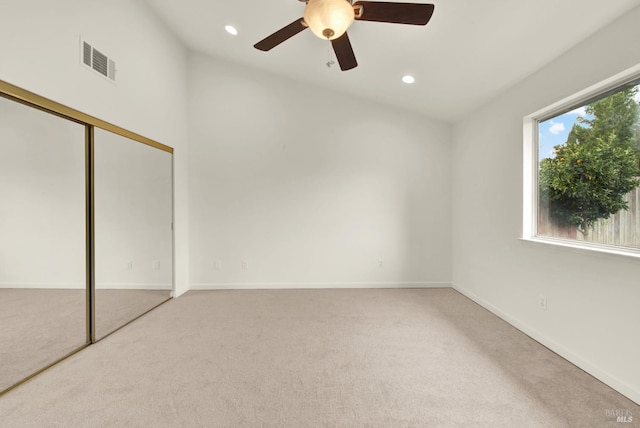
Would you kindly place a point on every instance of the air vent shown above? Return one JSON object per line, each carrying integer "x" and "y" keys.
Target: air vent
{"x": 97, "y": 61}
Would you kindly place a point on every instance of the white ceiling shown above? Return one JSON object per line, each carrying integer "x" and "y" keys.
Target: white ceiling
{"x": 468, "y": 53}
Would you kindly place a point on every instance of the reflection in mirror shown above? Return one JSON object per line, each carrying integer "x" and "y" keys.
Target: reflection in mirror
{"x": 42, "y": 240}
{"x": 133, "y": 236}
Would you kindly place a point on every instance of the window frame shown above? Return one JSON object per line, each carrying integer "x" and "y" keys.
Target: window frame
{"x": 530, "y": 127}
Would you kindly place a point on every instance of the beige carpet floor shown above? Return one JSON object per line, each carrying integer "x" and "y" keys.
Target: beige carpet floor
{"x": 316, "y": 358}
{"x": 40, "y": 326}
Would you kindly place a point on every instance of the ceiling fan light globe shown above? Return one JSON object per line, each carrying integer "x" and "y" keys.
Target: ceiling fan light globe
{"x": 329, "y": 17}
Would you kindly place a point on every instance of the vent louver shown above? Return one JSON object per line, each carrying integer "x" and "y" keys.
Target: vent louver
{"x": 97, "y": 61}
{"x": 86, "y": 53}
{"x": 100, "y": 62}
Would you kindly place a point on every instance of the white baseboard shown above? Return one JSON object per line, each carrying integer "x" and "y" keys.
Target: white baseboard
{"x": 45, "y": 285}
{"x": 619, "y": 385}
{"x": 132, "y": 286}
{"x": 81, "y": 286}
{"x": 314, "y": 285}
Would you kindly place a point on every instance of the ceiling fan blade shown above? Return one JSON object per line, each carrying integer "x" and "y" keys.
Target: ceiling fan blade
{"x": 344, "y": 52}
{"x": 281, "y": 35}
{"x": 396, "y": 13}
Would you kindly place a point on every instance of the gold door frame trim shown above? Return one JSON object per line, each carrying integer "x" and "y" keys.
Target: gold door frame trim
{"x": 21, "y": 95}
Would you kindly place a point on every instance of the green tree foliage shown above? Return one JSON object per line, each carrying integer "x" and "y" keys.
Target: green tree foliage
{"x": 598, "y": 165}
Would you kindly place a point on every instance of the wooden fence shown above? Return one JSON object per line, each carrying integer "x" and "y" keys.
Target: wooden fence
{"x": 622, "y": 228}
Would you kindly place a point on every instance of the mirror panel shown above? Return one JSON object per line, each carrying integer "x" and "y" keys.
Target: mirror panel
{"x": 42, "y": 240}
{"x": 133, "y": 229}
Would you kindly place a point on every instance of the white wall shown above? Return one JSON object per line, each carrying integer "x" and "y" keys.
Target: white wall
{"x": 593, "y": 314}
{"x": 39, "y": 41}
{"x": 310, "y": 187}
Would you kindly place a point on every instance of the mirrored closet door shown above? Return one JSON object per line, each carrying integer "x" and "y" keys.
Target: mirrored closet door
{"x": 42, "y": 240}
{"x": 133, "y": 236}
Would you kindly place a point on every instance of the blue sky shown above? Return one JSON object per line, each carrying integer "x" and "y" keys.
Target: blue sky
{"x": 555, "y": 131}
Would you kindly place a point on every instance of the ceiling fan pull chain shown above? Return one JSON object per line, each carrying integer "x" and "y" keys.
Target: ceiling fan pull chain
{"x": 330, "y": 60}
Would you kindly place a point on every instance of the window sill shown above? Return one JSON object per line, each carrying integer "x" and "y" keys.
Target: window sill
{"x": 586, "y": 248}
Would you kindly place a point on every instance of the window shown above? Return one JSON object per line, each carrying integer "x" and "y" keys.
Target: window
{"x": 583, "y": 160}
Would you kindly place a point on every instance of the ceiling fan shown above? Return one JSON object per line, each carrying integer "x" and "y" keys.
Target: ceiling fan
{"x": 330, "y": 19}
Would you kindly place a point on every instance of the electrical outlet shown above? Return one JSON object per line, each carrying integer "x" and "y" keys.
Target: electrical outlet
{"x": 156, "y": 265}
{"x": 380, "y": 263}
{"x": 217, "y": 265}
{"x": 245, "y": 265}
{"x": 542, "y": 302}
{"x": 129, "y": 265}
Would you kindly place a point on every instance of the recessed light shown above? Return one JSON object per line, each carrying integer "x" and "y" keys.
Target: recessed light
{"x": 408, "y": 79}
{"x": 231, "y": 30}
